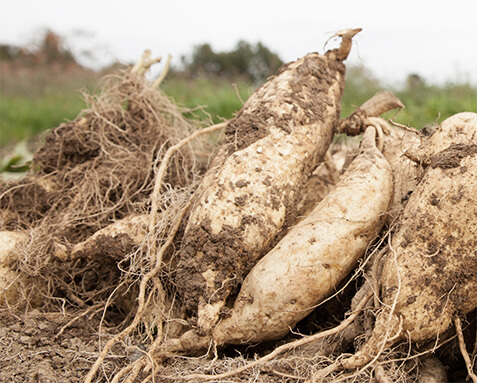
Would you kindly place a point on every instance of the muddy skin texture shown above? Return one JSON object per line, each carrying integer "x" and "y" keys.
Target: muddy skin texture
{"x": 452, "y": 156}
{"x": 107, "y": 248}
{"x": 430, "y": 273}
{"x": 435, "y": 242}
{"x": 250, "y": 193}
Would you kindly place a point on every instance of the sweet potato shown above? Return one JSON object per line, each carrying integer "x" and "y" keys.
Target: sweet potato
{"x": 8, "y": 277}
{"x": 395, "y": 144}
{"x": 16, "y": 284}
{"x": 319, "y": 184}
{"x": 250, "y": 193}
{"x": 460, "y": 128}
{"x": 430, "y": 272}
{"x": 310, "y": 261}
{"x": 114, "y": 241}
{"x": 406, "y": 172}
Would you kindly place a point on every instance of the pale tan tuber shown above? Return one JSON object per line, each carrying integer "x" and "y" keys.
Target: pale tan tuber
{"x": 308, "y": 264}
{"x": 8, "y": 277}
{"x": 430, "y": 272}
{"x": 250, "y": 194}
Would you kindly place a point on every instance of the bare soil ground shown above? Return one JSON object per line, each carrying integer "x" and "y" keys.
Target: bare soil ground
{"x": 48, "y": 347}
{"x": 61, "y": 346}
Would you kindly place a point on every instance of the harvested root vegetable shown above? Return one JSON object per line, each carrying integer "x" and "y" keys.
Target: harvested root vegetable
{"x": 113, "y": 241}
{"x": 318, "y": 185}
{"x": 406, "y": 172}
{"x": 8, "y": 277}
{"x": 458, "y": 129}
{"x": 395, "y": 144}
{"x": 380, "y": 103}
{"x": 430, "y": 272}
{"x": 431, "y": 370}
{"x": 249, "y": 195}
{"x": 307, "y": 265}
{"x": 326, "y": 175}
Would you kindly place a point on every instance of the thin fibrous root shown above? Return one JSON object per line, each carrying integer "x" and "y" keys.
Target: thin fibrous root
{"x": 404, "y": 127}
{"x": 375, "y": 345}
{"x": 158, "y": 255}
{"x": 463, "y": 350}
{"x": 163, "y": 167}
{"x": 283, "y": 348}
{"x": 141, "y": 300}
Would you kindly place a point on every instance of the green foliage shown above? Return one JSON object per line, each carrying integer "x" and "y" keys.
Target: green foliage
{"x": 215, "y": 99}
{"x": 23, "y": 117}
{"x": 35, "y": 100}
{"x": 40, "y": 98}
{"x": 8, "y": 52}
{"x": 16, "y": 163}
{"x": 361, "y": 85}
{"x": 424, "y": 104}
{"x": 431, "y": 104}
{"x": 253, "y": 63}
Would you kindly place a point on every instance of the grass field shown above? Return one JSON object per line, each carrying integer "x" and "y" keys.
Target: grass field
{"x": 33, "y": 101}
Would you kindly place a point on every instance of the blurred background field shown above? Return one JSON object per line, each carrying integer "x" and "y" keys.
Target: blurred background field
{"x": 42, "y": 87}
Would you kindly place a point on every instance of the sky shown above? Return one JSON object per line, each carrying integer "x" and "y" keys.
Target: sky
{"x": 435, "y": 39}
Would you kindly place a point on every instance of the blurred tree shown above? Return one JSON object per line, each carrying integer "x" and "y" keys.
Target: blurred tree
{"x": 8, "y": 52}
{"x": 203, "y": 59}
{"x": 414, "y": 81}
{"x": 50, "y": 50}
{"x": 264, "y": 63}
{"x": 255, "y": 63}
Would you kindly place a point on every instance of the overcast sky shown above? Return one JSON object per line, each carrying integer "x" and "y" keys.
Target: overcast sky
{"x": 435, "y": 39}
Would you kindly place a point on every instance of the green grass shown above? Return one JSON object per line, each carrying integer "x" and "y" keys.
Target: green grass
{"x": 34, "y": 101}
{"x": 424, "y": 104}
{"x": 23, "y": 117}
{"x": 217, "y": 99}
{"x": 428, "y": 105}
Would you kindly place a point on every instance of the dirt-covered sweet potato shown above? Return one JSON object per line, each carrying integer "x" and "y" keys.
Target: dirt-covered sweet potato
{"x": 320, "y": 183}
{"x": 112, "y": 242}
{"x": 458, "y": 129}
{"x": 430, "y": 272}
{"x": 307, "y": 265}
{"x": 8, "y": 277}
{"x": 406, "y": 172}
{"x": 15, "y": 284}
{"x": 250, "y": 193}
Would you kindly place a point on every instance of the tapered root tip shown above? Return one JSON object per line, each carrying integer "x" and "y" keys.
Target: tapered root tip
{"x": 369, "y": 138}
{"x": 358, "y": 360}
{"x": 380, "y": 103}
{"x": 342, "y": 52}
